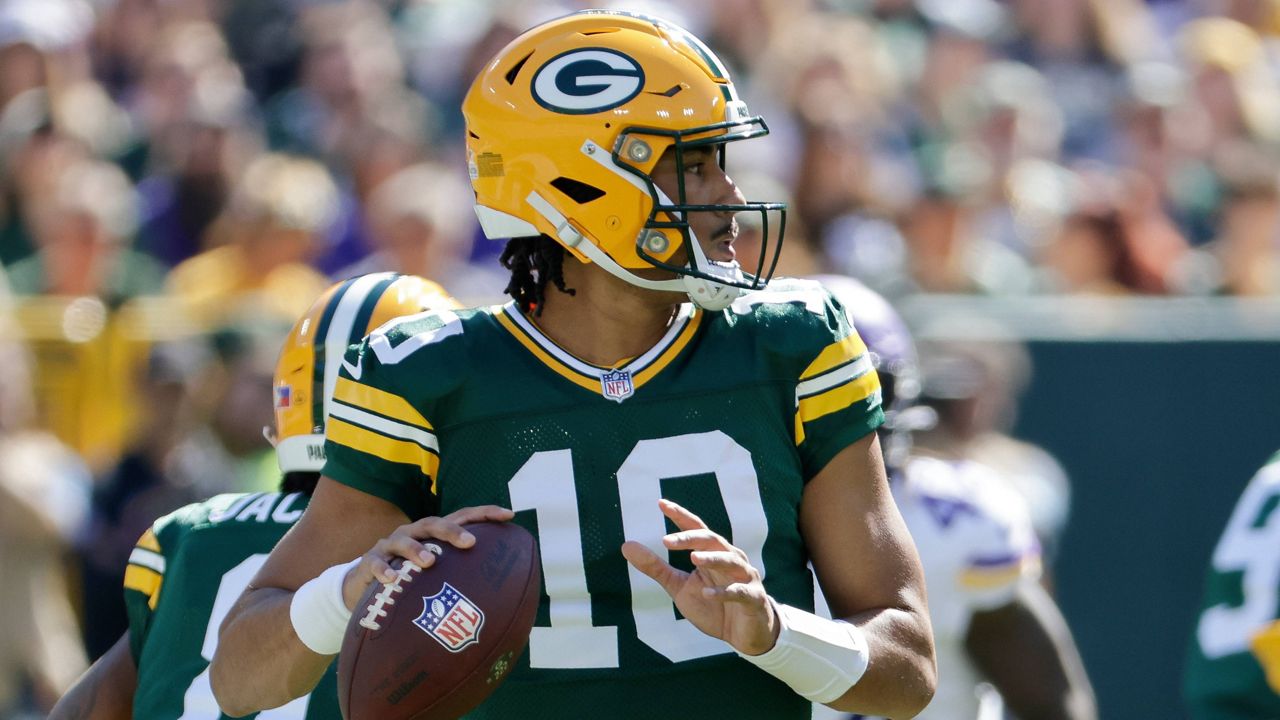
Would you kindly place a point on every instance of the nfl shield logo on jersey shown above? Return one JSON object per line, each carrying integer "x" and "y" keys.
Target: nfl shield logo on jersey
{"x": 616, "y": 385}
{"x": 452, "y": 619}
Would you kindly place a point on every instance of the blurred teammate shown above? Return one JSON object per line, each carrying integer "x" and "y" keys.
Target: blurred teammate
{"x": 992, "y": 621}
{"x": 1233, "y": 667}
{"x": 192, "y": 564}
{"x": 630, "y": 379}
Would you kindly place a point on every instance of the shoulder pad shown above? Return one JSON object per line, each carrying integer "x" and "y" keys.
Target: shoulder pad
{"x": 417, "y": 356}
{"x": 785, "y": 291}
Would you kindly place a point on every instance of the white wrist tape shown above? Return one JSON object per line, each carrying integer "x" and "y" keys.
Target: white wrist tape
{"x": 819, "y": 658}
{"x": 318, "y": 612}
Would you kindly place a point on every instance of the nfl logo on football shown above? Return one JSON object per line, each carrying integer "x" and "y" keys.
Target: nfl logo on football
{"x": 451, "y": 618}
{"x": 616, "y": 385}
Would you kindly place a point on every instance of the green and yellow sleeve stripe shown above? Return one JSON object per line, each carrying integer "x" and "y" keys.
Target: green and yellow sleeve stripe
{"x": 145, "y": 571}
{"x": 841, "y": 376}
{"x": 382, "y": 424}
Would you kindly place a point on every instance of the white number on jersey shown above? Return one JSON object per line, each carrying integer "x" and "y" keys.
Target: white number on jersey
{"x": 1250, "y": 544}
{"x": 387, "y": 354}
{"x": 198, "y": 702}
{"x": 545, "y": 484}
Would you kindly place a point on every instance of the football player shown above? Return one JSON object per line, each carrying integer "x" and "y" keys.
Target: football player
{"x": 1233, "y": 666}
{"x": 992, "y": 620}
{"x": 192, "y": 564}
{"x": 682, "y": 441}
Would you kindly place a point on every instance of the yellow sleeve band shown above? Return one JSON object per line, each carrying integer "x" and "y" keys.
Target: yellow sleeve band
{"x": 835, "y": 354}
{"x": 148, "y": 541}
{"x": 839, "y": 397}
{"x": 386, "y": 448}
{"x": 378, "y": 401}
{"x": 145, "y": 581}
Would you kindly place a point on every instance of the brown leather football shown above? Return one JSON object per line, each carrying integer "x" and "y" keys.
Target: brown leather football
{"x": 435, "y": 643}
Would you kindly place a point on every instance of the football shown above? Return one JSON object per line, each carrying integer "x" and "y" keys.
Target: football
{"x": 436, "y": 642}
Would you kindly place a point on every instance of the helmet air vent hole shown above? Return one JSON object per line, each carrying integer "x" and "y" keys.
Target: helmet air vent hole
{"x": 577, "y": 191}
{"x": 515, "y": 69}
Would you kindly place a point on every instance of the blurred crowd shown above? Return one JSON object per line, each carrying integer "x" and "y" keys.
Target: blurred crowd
{"x": 179, "y": 179}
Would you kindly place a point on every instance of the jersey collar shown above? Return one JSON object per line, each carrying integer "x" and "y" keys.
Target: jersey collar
{"x": 591, "y": 377}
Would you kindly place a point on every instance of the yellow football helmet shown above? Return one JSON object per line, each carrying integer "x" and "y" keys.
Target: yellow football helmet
{"x": 565, "y": 126}
{"x": 308, "y": 367}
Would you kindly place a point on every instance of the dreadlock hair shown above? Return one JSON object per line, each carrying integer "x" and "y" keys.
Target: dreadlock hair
{"x": 534, "y": 263}
{"x": 303, "y": 481}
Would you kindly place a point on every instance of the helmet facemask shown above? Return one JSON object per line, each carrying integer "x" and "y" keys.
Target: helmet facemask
{"x": 711, "y": 285}
{"x": 726, "y": 280}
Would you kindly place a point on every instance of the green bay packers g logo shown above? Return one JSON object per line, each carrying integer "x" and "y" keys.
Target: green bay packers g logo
{"x": 590, "y": 80}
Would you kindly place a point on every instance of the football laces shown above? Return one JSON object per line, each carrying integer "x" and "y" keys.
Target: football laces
{"x": 378, "y": 607}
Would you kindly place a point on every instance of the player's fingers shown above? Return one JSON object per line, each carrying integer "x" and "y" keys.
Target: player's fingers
{"x": 403, "y": 545}
{"x": 683, "y": 519}
{"x": 480, "y": 513}
{"x": 740, "y": 593}
{"x": 398, "y": 545}
{"x": 445, "y": 528}
{"x": 701, "y": 539}
{"x": 371, "y": 568}
{"x": 647, "y": 562}
{"x": 378, "y": 567}
{"x": 726, "y": 566}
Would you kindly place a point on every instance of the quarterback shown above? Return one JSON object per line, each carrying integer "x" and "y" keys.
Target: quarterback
{"x": 192, "y": 564}
{"x": 682, "y": 440}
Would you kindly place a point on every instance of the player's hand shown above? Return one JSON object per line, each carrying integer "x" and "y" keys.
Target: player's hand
{"x": 406, "y": 542}
{"x": 723, "y": 596}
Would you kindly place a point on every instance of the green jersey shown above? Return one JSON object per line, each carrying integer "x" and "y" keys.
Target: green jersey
{"x": 1233, "y": 667}
{"x": 183, "y": 576}
{"x": 730, "y": 414}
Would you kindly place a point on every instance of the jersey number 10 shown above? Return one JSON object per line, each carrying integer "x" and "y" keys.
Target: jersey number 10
{"x": 545, "y": 484}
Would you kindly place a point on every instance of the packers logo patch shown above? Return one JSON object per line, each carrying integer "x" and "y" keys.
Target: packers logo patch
{"x": 589, "y": 80}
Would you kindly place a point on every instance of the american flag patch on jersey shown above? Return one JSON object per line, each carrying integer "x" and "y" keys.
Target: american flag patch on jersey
{"x": 451, "y": 618}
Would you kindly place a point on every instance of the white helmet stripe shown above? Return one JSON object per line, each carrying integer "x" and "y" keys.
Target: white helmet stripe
{"x": 341, "y": 328}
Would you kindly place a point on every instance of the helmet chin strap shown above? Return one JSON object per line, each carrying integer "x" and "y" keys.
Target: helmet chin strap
{"x": 706, "y": 294}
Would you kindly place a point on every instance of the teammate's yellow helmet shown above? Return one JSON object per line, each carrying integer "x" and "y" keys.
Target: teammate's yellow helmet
{"x": 565, "y": 126}
{"x": 312, "y": 353}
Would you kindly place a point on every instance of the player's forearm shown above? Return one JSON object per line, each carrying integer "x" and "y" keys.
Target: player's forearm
{"x": 105, "y": 691}
{"x": 1026, "y": 650}
{"x": 901, "y": 676}
{"x": 260, "y": 663}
